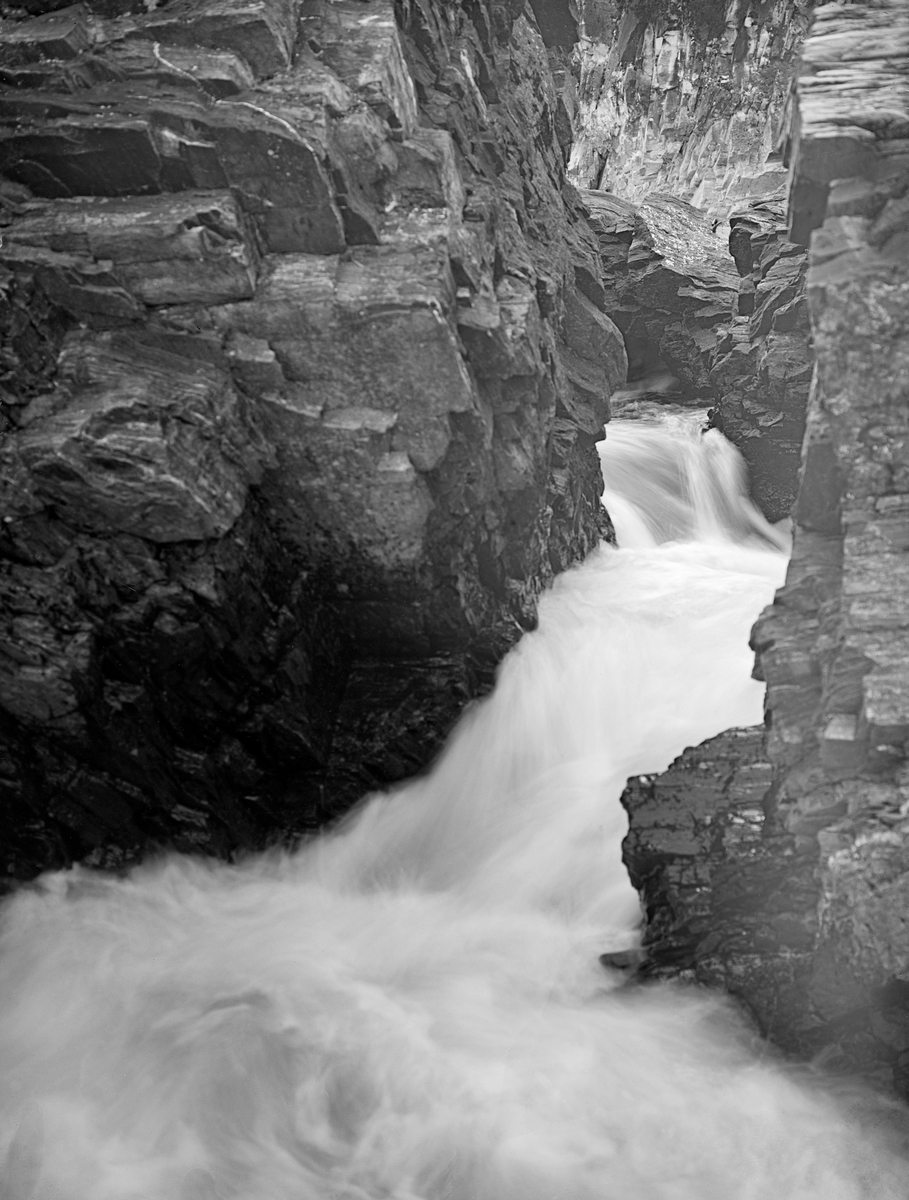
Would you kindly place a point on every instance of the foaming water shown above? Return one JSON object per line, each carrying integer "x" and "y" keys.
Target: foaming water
{"x": 412, "y": 1008}
{"x": 666, "y": 480}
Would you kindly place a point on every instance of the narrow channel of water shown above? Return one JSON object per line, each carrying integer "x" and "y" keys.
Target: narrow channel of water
{"x": 412, "y": 1008}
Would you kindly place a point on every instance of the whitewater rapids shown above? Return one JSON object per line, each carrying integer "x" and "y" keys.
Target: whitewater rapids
{"x": 412, "y": 1008}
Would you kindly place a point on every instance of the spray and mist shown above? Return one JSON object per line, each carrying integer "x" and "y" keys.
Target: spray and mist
{"x": 412, "y": 1007}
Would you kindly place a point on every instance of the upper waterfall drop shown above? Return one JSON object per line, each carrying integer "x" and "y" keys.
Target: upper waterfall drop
{"x": 411, "y": 1008}
{"x": 668, "y": 480}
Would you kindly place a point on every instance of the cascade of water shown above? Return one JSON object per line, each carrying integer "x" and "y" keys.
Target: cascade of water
{"x": 412, "y": 1008}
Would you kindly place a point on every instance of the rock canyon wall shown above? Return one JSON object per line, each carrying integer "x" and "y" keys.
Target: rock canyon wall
{"x": 685, "y": 96}
{"x": 304, "y": 356}
{"x": 306, "y": 343}
{"x": 684, "y": 119}
{"x": 775, "y": 863}
{"x": 714, "y": 311}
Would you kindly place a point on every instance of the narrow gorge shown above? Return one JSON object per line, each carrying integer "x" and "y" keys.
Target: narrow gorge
{"x": 312, "y": 314}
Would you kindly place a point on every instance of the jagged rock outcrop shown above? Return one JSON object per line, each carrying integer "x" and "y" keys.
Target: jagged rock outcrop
{"x": 685, "y": 98}
{"x": 761, "y": 365}
{"x": 833, "y": 647}
{"x": 304, "y": 356}
{"x": 727, "y": 900}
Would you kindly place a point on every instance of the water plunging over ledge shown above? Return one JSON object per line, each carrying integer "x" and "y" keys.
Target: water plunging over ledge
{"x": 412, "y": 1008}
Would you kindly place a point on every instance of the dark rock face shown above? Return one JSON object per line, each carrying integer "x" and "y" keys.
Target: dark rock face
{"x": 761, "y": 367}
{"x": 304, "y": 355}
{"x": 833, "y": 647}
{"x": 670, "y": 284}
{"x": 728, "y": 901}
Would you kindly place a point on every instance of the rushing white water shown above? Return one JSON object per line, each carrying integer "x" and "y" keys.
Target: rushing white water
{"x": 412, "y": 1008}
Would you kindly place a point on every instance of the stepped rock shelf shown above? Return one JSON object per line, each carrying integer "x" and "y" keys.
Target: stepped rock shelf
{"x": 779, "y": 865}
{"x": 304, "y": 352}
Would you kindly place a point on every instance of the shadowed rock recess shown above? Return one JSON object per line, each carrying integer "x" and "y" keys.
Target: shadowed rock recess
{"x": 304, "y": 354}
{"x": 776, "y": 863}
{"x": 719, "y": 307}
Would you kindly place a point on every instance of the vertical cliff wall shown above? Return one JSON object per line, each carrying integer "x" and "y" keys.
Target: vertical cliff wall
{"x": 304, "y": 356}
{"x": 795, "y": 896}
{"x": 685, "y": 97}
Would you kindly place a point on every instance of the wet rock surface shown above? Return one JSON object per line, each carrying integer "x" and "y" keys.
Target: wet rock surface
{"x": 304, "y": 355}
{"x": 832, "y": 826}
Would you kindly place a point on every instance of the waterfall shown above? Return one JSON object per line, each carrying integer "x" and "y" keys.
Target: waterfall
{"x": 412, "y": 1008}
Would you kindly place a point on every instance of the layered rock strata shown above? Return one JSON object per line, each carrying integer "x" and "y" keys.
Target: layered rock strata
{"x": 827, "y": 850}
{"x": 685, "y": 98}
{"x": 304, "y": 356}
